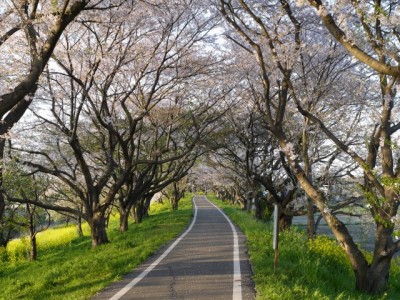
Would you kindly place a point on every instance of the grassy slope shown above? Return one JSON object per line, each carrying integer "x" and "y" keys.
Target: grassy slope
{"x": 317, "y": 270}
{"x": 68, "y": 268}
{"x": 73, "y": 270}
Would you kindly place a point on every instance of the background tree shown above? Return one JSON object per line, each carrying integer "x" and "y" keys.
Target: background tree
{"x": 27, "y": 217}
{"x": 175, "y": 192}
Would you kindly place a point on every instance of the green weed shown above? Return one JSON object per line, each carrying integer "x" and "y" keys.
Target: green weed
{"x": 69, "y": 268}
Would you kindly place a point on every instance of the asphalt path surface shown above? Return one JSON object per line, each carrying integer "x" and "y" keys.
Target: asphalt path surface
{"x": 208, "y": 261}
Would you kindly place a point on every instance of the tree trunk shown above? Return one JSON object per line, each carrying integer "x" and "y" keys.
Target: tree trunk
{"x": 285, "y": 221}
{"x": 2, "y": 199}
{"x": 146, "y": 205}
{"x": 174, "y": 203}
{"x": 3, "y": 241}
{"x": 308, "y": 171}
{"x": 310, "y": 219}
{"x": 32, "y": 233}
{"x": 138, "y": 212}
{"x": 33, "y": 250}
{"x": 372, "y": 278}
{"x": 250, "y": 197}
{"x": 375, "y": 278}
{"x": 79, "y": 227}
{"x": 98, "y": 229}
{"x": 259, "y": 207}
{"x": 123, "y": 219}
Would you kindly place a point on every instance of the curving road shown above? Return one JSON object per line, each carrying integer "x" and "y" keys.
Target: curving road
{"x": 208, "y": 261}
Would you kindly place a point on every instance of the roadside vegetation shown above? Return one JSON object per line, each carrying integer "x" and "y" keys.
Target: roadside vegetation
{"x": 69, "y": 268}
{"x": 106, "y": 104}
{"x": 315, "y": 269}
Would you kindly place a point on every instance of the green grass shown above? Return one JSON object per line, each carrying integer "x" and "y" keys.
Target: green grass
{"x": 317, "y": 270}
{"x": 69, "y": 268}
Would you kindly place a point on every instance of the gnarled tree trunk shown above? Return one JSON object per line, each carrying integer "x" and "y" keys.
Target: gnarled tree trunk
{"x": 374, "y": 278}
{"x": 137, "y": 212}
{"x": 285, "y": 221}
{"x": 124, "y": 217}
{"x": 174, "y": 203}
{"x": 98, "y": 229}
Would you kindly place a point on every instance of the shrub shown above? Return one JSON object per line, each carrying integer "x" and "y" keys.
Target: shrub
{"x": 18, "y": 249}
{"x": 328, "y": 248}
{"x": 3, "y": 254}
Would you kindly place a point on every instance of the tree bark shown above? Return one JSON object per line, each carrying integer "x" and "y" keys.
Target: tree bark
{"x": 381, "y": 67}
{"x": 373, "y": 279}
{"x": 138, "y": 212}
{"x": 32, "y": 233}
{"x": 79, "y": 227}
{"x": 308, "y": 171}
{"x": 98, "y": 229}
{"x": 259, "y": 207}
{"x": 2, "y": 198}
{"x": 33, "y": 250}
{"x": 146, "y": 205}
{"x": 123, "y": 219}
{"x": 32, "y": 236}
{"x": 174, "y": 203}
{"x": 3, "y": 241}
{"x": 285, "y": 221}
{"x": 310, "y": 219}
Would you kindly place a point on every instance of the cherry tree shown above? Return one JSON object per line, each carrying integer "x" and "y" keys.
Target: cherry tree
{"x": 29, "y": 33}
{"x": 375, "y": 45}
{"x": 27, "y": 217}
{"x": 275, "y": 35}
{"x": 175, "y": 192}
{"x": 102, "y": 126}
{"x": 170, "y": 141}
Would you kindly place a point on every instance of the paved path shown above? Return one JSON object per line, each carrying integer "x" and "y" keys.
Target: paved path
{"x": 208, "y": 261}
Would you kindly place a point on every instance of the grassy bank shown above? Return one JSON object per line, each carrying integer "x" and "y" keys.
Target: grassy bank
{"x": 317, "y": 270}
{"x": 67, "y": 266}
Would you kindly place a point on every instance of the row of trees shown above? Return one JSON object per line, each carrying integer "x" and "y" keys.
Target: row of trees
{"x": 116, "y": 100}
{"x": 122, "y": 111}
{"x": 317, "y": 116}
